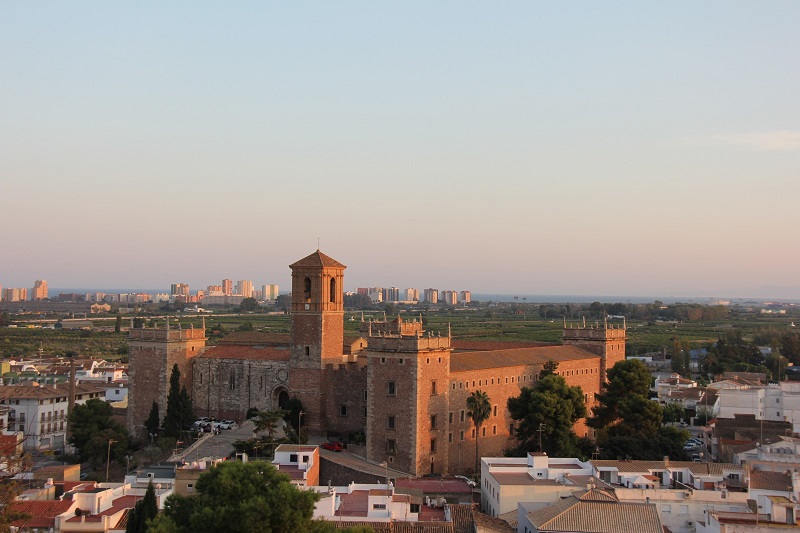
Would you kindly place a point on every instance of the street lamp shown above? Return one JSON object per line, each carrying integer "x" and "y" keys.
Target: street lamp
{"x": 108, "y": 458}
{"x": 299, "y": 423}
{"x": 385, "y": 466}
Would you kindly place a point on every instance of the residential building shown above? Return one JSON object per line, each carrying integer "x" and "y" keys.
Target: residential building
{"x": 227, "y": 287}
{"x": 431, "y": 296}
{"x": 464, "y": 297}
{"x": 39, "y": 290}
{"x": 179, "y": 290}
{"x": 244, "y": 288}
{"x": 39, "y": 412}
{"x": 269, "y": 292}
{"x": 299, "y": 462}
{"x": 448, "y": 297}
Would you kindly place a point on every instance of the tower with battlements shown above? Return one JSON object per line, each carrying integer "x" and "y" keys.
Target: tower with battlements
{"x": 152, "y": 352}
{"x": 607, "y": 341}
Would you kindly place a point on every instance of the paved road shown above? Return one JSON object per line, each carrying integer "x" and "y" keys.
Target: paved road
{"x": 220, "y": 445}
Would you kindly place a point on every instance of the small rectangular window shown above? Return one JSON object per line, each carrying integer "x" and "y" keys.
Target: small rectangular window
{"x": 450, "y": 417}
{"x": 461, "y": 436}
{"x": 343, "y": 410}
{"x": 391, "y": 389}
{"x": 390, "y": 446}
{"x": 390, "y": 422}
{"x": 462, "y": 415}
{"x": 433, "y": 445}
{"x": 433, "y": 388}
{"x": 433, "y": 421}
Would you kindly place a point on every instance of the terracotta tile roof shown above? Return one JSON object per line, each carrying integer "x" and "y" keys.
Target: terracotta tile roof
{"x": 491, "y": 524}
{"x": 467, "y": 361}
{"x": 317, "y": 259}
{"x": 255, "y": 353}
{"x": 486, "y": 346}
{"x": 45, "y": 391}
{"x": 42, "y": 513}
{"x": 765, "y": 480}
{"x": 255, "y": 337}
{"x": 596, "y": 495}
{"x": 592, "y": 516}
{"x": 123, "y": 521}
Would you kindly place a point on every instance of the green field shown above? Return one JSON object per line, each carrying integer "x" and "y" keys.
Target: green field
{"x": 479, "y": 324}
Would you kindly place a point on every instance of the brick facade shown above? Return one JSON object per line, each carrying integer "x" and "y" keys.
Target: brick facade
{"x": 407, "y": 391}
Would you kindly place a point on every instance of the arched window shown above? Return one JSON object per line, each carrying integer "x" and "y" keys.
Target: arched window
{"x": 307, "y": 288}
{"x": 333, "y": 290}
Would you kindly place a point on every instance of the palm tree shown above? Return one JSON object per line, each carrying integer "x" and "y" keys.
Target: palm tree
{"x": 479, "y": 407}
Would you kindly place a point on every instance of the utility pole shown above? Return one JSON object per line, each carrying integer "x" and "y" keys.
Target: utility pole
{"x": 108, "y": 458}
{"x": 299, "y": 424}
{"x": 540, "y": 430}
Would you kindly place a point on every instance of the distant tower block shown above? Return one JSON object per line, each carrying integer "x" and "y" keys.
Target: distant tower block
{"x": 607, "y": 342}
{"x": 152, "y": 353}
{"x": 317, "y": 337}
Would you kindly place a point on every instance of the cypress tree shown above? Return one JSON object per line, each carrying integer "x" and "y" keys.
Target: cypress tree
{"x": 153, "y": 423}
{"x": 173, "y": 420}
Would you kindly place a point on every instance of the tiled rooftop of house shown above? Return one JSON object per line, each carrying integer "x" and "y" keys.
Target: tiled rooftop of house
{"x": 41, "y": 513}
{"x": 766, "y": 480}
{"x": 597, "y": 511}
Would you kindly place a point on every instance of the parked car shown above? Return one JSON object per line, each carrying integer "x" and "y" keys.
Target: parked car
{"x": 227, "y": 424}
{"x": 466, "y": 480}
{"x": 690, "y": 446}
{"x": 332, "y": 446}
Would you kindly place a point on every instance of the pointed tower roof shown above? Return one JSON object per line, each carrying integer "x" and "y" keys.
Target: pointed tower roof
{"x": 317, "y": 259}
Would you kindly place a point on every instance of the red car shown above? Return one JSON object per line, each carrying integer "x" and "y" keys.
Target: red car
{"x": 333, "y": 446}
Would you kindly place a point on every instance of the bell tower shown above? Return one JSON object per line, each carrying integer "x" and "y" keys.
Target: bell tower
{"x": 317, "y": 336}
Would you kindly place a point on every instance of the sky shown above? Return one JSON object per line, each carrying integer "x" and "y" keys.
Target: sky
{"x": 603, "y": 148}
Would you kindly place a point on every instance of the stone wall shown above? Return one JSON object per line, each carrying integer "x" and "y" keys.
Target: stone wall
{"x": 228, "y": 388}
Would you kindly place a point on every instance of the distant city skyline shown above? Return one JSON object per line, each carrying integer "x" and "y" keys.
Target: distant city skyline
{"x": 516, "y": 148}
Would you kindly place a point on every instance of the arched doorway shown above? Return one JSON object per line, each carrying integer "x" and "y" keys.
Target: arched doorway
{"x": 280, "y": 397}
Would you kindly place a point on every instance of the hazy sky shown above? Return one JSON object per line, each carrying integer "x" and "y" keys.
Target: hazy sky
{"x": 625, "y": 148}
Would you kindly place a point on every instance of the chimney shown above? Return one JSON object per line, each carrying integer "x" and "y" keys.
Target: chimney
{"x": 666, "y": 460}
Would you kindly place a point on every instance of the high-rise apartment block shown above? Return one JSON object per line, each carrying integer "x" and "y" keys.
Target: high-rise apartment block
{"x": 411, "y": 295}
{"x": 180, "y": 289}
{"x": 227, "y": 287}
{"x": 39, "y": 290}
{"x": 244, "y": 288}
{"x": 392, "y": 294}
{"x": 15, "y": 294}
{"x": 448, "y": 297}
{"x": 465, "y": 297}
{"x": 431, "y": 296}
{"x": 269, "y": 292}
